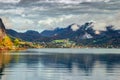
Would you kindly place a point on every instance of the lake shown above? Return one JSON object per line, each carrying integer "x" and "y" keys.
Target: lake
{"x": 60, "y": 64}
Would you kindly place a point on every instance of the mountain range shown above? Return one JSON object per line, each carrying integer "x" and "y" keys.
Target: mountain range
{"x": 81, "y": 34}
{"x": 86, "y": 35}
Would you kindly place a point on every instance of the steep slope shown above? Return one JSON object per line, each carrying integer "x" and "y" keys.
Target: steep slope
{"x": 2, "y": 30}
{"x": 5, "y": 41}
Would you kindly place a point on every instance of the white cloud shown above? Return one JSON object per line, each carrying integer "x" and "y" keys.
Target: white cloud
{"x": 97, "y": 32}
{"x": 58, "y": 13}
{"x": 50, "y": 21}
{"x": 74, "y": 27}
{"x": 22, "y": 21}
{"x": 38, "y": 8}
{"x": 10, "y": 1}
{"x": 7, "y": 22}
{"x": 101, "y": 21}
{"x": 12, "y": 11}
{"x": 22, "y": 24}
{"x": 73, "y": 1}
{"x": 113, "y": 19}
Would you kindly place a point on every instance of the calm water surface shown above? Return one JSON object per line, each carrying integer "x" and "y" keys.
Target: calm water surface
{"x": 61, "y": 64}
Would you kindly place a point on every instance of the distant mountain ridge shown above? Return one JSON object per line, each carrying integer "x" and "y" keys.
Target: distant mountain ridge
{"x": 84, "y": 34}
{"x": 29, "y": 35}
{"x": 73, "y": 31}
{"x": 50, "y": 33}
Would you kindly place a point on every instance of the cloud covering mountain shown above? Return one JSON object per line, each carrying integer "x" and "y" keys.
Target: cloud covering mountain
{"x": 38, "y": 15}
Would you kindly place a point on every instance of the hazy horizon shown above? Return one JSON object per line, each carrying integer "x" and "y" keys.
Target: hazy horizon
{"x": 38, "y": 15}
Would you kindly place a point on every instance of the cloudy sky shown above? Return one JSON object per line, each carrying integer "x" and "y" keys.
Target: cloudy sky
{"x": 22, "y": 15}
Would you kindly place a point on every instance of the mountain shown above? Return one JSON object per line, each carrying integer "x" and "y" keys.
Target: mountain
{"x": 2, "y": 30}
{"x": 5, "y": 41}
{"x": 9, "y": 39}
{"x": 81, "y": 34}
{"x": 86, "y": 35}
{"x": 50, "y": 33}
{"x": 29, "y": 35}
{"x": 72, "y": 32}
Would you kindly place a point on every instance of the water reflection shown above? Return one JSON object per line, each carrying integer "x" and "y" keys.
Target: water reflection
{"x": 5, "y": 58}
{"x": 60, "y": 66}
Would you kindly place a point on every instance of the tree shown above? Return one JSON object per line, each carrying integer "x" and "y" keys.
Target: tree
{"x": 7, "y": 43}
{"x": 16, "y": 42}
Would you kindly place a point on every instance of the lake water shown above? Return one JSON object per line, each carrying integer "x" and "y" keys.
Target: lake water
{"x": 61, "y": 64}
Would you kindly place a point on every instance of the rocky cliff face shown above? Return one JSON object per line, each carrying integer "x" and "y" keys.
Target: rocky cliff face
{"x": 2, "y": 30}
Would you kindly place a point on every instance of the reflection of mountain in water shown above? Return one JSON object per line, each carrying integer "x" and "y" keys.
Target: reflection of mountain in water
{"x": 85, "y": 62}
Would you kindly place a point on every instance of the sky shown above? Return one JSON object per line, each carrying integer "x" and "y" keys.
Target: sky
{"x": 22, "y": 15}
